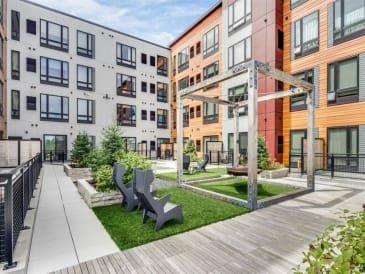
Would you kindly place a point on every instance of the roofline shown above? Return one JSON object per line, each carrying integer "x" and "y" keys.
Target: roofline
{"x": 199, "y": 20}
{"x": 93, "y": 23}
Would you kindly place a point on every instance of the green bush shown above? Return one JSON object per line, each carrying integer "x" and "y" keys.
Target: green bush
{"x": 341, "y": 249}
{"x": 190, "y": 150}
{"x": 95, "y": 159}
{"x": 111, "y": 143}
{"x": 132, "y": 160}
{"x": 263, "y": 160}
{"x": 81, "y": 148}
{"x": 103, "y": 179}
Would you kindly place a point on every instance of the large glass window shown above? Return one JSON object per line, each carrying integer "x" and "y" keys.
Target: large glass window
{"x": 162, "y": 91}
{"x": 85, "y": 78}
{"x": 237, "y": 94}
{"x": 306, "y": 36}
{"x": 54, "y": 35}
{"x": 210, "y": 113}
{"x": 15, "y": 104}
{"x": 239, "y": 13}
{"x": 54, "y": 72}
{"x": 211, "y": 70}
{"x": 299, "y": 102}
{"x": 15, "y": 65}
{"x": 239, "y": 53}
{"x": 243, "y": 142}
{"x": 126, "y": 85}
{"x": 184, "y": 83}
{"x": 162, "y": 118}
{"x": 85, "y": 44}
{"x": 349, "y": 18}
{"x": 296, "y": 3}
{"x": 129, "y": 143}
{"x": 211, "y": 41}
{"x": 162, "y": 65}
{"x": 126, "y": 115}
{"x": 185, "y": 116}
{"x": 85, "y": 111}
{"x": 55, "y": 108}
{"x": 296, "y": 137}
{"x": 343, "y": 141}
{"x": 343, "y": 81}
{"x": 126, "y": 55}
{"x": 183, "y": 59}
{"x": 15, "y": 25}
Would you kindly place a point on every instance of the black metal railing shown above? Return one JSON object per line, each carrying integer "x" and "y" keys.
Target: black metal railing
{"x": 16, "y": 191}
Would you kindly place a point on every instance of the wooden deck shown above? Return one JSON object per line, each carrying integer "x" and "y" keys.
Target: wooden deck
{"x": 269, "y": 240}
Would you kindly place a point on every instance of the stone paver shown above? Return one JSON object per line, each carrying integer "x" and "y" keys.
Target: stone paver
{"x": 66, "y": 231}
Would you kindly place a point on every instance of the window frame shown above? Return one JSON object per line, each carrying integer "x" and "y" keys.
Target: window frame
{"x": 46, "y": 41}
{"x": 15, "y": 30}
{"x": 132, "y": 122}
{"x": 90, "y": 84}
{"x": 89, "y": 51}
{"x": 15, "y": 74}
{"x": 302, "y": 52}
{"x": 164, "y": 69}
{"x": 211, "y": 118}
{"x": 15, "y": 110}
{"x": 236, "y": 24}
{"x": 31, "y": 27}
{"x": 152, "y": 115}
{"x": 64, "y": 115}
{"x": 31, "y": 67}
{"x": 64, "y": 81}
{"x": 206, "y": 69}
{"x": 162, "y": 94}
{"x": 232, "y": 49}
{"x": 144, "y": 115}
{"x": 348, "y": 134}
{"x": 297, "y": 4}
{"x": 31, "y": 106}
{"x": 90, "y": 115}
{"x": 165, "y": 115}
{"x": 185, "y": 65}
{"x": 235, "y": 98}
{"x": 132, "y": 93}
{"x": 213, "y": 48}
{"x": 125, "y": 62}
{"x": 301, "y": 97}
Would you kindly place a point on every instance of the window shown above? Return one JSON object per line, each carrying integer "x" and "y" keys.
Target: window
{"x": 144, "y": 114}
{"x": 198, "y": 78}
{"x": 31, "y": 27}
{"x": 210, "y": 113}
{"x": 31, "y": 103}
{"x": 185, "y": 116}
{"x": 207, "y": 139}
{"x": 192, "y": 112}
{"x": 152, "y": 115}
{"x": 296, "y": 3}
{"x": 152, "y": 88}
{"x": 162, "y": 90}
{"x": 184, "y": 83}
{"x": 126, "y": 115}
{"x": 1, "y": 15}
{"x": 174, "y": 65}
{"x": 85, "y": 44}
{"x": 54, "y": 72}
{"x": 198, "y": 146}
{"x": 239, "y": 53}
{"x": 15, "y": 25}
{"x": 85, "y": 78}
{"x": 54, "y": 108}
{"x": 198, "y": 48}
{"x": 174, "y": 92}
{"x": 211, "y": 42}
{"x": 343, "y": 141}
{"x": 31, "y": 65}
{"x": 192, "y": 81}
{"x": 183, "y": 59}
{"x": 143, "y": 86}
{"x": 211, "y": 70}
{"x": 162, "y": 65}
{"x": 296, "y": 137}
{"x": 343, "y": 81}
{"x": 153, "y": 145}
{"x": 54, "y": 36}
{"x": 174, "y": 118}
{"x": 237, "y": 94}
{"x": 15, "y": 104}
{"x": 126, "y": 56}
{"x": 280, "y": 39}
{"x": 144, "y": 58}
{"x": 280, "y": 144}
{"x": 162, "y": 115}
{"x": 152, "y": 61}
{"x": 242, "y": 142}
{"x": 239, "y": 13}
{"x": 192, "y": 52}
{"x": 299, "y": 102}
{"x": 349, "y": 19}
{"x": 85, "y": 111}
{"x": 198, "y": 111}
{"x": 126, "y": 85}
{"x": 15, "y": 65}
{"x": 306, "y": 39}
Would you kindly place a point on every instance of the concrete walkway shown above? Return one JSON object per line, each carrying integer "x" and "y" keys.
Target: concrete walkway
{"x": 66, "y": 231}
{"x": 270, "y": 240}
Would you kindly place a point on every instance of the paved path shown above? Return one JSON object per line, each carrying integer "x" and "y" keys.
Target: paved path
{"x": 66, "y": 231}
{"x": 270, "y": 240}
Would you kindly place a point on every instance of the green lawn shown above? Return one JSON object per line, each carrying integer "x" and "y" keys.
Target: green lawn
{"x": 238, "y": 188}
{"x": 211, "y": 173}
{"x": 127, "y": 230}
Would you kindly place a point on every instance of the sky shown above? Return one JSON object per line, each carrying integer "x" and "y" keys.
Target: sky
{"x": 158, "y": 21}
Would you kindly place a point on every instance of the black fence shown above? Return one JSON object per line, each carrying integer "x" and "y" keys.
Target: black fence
{"x": 16, "y": 191}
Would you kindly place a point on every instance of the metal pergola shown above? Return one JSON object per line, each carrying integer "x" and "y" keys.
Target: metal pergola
{"x": 252, "y": 68}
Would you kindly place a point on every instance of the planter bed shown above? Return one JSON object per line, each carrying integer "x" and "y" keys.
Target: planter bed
{"x": 275, "y": 174}
{"x": 76, "y": 173}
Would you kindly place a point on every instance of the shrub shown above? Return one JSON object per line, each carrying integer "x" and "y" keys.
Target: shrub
{"x": 111, "y": 143}
{"x": 81, "y": 147}
{"x": 103, "y": 179}
{"x": 262, "y": 154}
{"x": 132, "y": 160}
{"x": 190, "y": 150}
{"x": 341, "y": 249}
{"x": 95, "y": 159}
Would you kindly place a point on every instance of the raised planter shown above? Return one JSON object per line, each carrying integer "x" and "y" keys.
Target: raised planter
{"x": 97, "y": 199}
{"x": 76, "y": 173}
{"x": 275, "y": 174}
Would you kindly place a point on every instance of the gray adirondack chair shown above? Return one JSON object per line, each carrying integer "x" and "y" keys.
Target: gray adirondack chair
{"x": 129, "y": 198}
{"x": 160, "y": 210}
{"x": 203, "y": 164}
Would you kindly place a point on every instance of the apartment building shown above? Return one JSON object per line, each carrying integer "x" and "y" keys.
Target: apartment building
{"x": 3, "y": 64}
{"x": 68, "y": 75}
{"x": 196, "y": 56}
{"x": 325, "y": 44}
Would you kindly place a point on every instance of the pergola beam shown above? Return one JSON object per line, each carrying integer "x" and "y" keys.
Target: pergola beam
{"x": 212, "y": 100}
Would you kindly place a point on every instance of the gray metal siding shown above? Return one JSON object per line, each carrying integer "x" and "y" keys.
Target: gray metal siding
{"x": 316, "y": 86}
{"x": 330, "y": 25}
{"x": 292, "y": 42}
{"x": 362, "y": 139}
{"x": 362, "y": 77}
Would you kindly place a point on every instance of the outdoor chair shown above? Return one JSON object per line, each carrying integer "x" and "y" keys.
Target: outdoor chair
{"x": 158, "y": 209}
{"x": 203, "y": 164}
{"x": 186, "y": 163}
{"x": 129, "y": 198}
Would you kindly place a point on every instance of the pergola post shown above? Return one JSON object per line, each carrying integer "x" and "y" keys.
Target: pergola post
{"x": 236, "y": 143}
{"x": 179, "y": 137}
{"x": 252, "y": 136}
{"x": 310, "y": 142}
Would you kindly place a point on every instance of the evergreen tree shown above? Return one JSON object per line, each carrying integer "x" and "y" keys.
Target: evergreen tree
{"x": 81, "y": 148}
{"x": 111, "y": 143}
{"x": 262, "y": 154}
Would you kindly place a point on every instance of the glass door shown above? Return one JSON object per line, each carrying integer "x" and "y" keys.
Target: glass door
{"x": 55, "y": 147}
{"x": 296, "y": 137}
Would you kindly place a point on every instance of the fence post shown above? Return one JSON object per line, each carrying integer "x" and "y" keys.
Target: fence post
{"x": 19, "y": 154}
{"x": 332, "y": 166}
{"x": 302, "y": 163}
{"x": 210, "y": 157}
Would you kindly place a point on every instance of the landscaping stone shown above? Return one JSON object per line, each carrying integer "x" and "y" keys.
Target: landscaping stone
{"x": 77, "y": 173}
{"x": 275, "y": 174}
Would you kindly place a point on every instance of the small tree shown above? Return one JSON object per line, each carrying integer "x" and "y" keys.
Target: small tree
{"x": 111, "y": 143}
{"x": 263, "y": 160}
{"x": 190, "y": 149}
{"x": 81, "y": 148}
